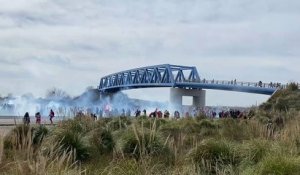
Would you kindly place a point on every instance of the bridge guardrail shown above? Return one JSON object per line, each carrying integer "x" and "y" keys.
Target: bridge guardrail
{"x": 241, "y": 83}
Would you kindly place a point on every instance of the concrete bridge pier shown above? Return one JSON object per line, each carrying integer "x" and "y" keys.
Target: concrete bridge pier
{"x": 176, "y": 95}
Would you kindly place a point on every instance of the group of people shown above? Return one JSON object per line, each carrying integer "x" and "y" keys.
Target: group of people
{"x": 209, "y": 112}
{"x": 38, "y": 117}
{"x": 231, "y": 114}
{"x": 234, "y": 82}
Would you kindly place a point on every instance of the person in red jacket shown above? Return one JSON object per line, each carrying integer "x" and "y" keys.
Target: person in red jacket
{"x": 51, "y": 115}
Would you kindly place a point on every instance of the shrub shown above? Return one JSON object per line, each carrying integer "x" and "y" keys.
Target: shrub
{"x": 208, "y": 129}
{"x": 142, "y": 142}
{"x": 255, "y": 150}
{"x": 82, "y": 125}
{"x": 207, "y": 124}
{"x": 187, "y": 126}
{"x": 71, "y": 139}
{"x": 292, "y": 86}
{"x": 151, "y": 123}
{"x": 18, "y": 138}
{"x": 23, "y": 140}
{"x": 124, "y": 166}
{"x": 39, "y": 134}
{"x": 172, "y": 128}
{"x": 212, "y": 154}
{"x": 232, "y": 129}
{"x": 279, "y": 165}
{"x": 267, "y": 106}
{"x": 281, "y": 104}
{"x": 102, "y": 140}
{"x": 119, "y": 123}
{"x": 190, "y": 126}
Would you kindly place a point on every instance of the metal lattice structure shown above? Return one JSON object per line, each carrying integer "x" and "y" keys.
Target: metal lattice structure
{"x": 167, "y": 75}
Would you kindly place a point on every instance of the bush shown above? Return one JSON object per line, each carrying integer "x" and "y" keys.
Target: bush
{"x": 211, "y": 154}
{"x": 187, "y": 126}
{"x": 281, "y": 104}
{"x": 292, "y": 87}
{"x": 102, "y": 140}
{"x": 267, "y": 106}
{"x": 255, "y": 150}
{"x": 82, "y": 125}
{"x": 70, "y": 141}
{"x": 18, "y": 138}
{"x": 284, "y": 99}
{"x": 39, "y": 134}
{"x": 124, "y": 166}
{"x": 23, "y": 140}
{"x": 207, "y": 124}
{"x": 279, "y": 165}
{"x": 119, "y": 123}
{"x": 151, "y": 123}
{"x": 233, "y": 129}
{"x": 142, "y": 142}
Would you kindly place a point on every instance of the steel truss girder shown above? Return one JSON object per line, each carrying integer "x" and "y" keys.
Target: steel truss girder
{"x": 160, "y": 74}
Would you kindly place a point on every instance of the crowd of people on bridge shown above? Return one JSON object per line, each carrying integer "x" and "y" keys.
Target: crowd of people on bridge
{"x": 258, "y": 84}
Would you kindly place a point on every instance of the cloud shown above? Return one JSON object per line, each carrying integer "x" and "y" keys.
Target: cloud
{"x": 72, "y": 43}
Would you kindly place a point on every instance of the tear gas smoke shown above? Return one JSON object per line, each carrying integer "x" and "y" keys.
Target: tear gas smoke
{"x": 64, "y": 106}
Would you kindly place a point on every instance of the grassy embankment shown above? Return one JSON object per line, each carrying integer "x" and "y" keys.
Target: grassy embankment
{"x": 267, "y": 143}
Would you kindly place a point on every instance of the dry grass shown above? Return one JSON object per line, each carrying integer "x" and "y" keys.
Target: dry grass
{"x": 23, "y": 158}
{"x": 142, "y": 146}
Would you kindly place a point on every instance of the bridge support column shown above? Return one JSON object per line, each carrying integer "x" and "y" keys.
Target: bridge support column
{"x": 176, "y": 95}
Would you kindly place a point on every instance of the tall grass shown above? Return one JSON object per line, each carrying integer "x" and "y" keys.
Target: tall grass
{"x": 156, "y": 146}
{"x": 19, "y": 155}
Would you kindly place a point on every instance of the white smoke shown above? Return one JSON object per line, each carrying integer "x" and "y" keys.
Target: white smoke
{"x": 65, "y": 107}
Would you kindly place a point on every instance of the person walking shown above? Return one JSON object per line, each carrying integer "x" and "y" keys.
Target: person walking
{"x": 26, "y": 119}
{"x": 51, "y": 115}
{"x": 38, "y": 118}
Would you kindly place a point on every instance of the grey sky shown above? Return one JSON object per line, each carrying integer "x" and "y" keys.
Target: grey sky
{"x": 70, "y": 44}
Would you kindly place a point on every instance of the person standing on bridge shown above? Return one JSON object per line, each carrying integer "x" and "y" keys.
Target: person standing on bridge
{"x": 51, "y": 115}
{"x": 260, "y": 83}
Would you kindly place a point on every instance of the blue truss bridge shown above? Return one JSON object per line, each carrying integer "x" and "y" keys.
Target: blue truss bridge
{"x": 176, "y": 76}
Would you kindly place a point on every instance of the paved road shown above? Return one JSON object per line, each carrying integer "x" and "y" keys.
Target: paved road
{"x": 11, "y": 121}
{"x": 8, "y": 123}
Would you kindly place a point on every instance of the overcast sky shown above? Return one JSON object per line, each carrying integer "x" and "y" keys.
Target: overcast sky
{"x": 70, "y": 44}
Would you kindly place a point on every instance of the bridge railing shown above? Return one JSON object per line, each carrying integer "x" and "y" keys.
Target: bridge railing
{"x": 242, "y": 83}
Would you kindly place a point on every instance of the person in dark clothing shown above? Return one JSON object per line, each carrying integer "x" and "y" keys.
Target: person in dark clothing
{"x": 26, "y": 119}
{"x": 94, "y": 116}
{"x": 176, "y": 115}
{"x": 166, "y": 114}
{"x": 51, "y": 115}
{"x": 38, "y": 118}
{"x": 137, "y": 113}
